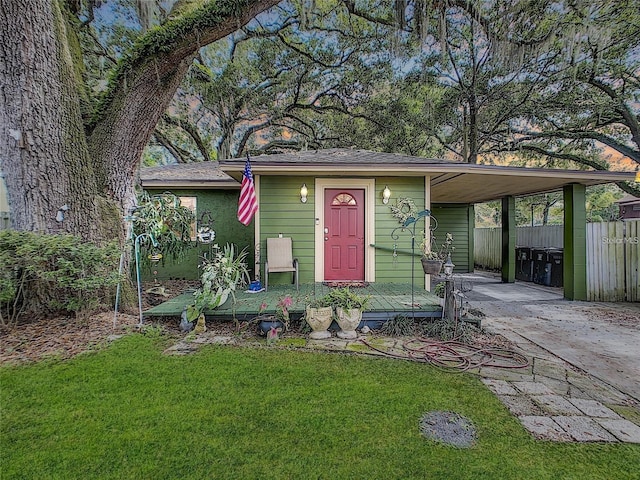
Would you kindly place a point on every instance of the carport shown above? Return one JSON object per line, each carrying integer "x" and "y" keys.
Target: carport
{"x": 471, "y": 184}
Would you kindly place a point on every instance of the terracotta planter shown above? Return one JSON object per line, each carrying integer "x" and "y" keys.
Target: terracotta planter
{"x": 348, "y": 322}
{"x": 431, "y": 267}
{"x": 319, "y": 320}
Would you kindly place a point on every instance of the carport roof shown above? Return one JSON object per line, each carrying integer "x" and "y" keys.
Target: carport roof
{"x": 451, "y": 182}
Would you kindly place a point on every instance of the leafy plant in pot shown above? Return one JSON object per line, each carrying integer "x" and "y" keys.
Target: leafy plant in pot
{"x": 272, "y": 325}
{"x": 169, "y": 222}
{"x": 349, "y": 307}
{"x": 222, "y": 274}
{"x": 319, "y": 315}
{"x": 432, "y": 259}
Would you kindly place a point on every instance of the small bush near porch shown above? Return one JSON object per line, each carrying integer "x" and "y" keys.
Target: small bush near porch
{"x": 127, "y": 411}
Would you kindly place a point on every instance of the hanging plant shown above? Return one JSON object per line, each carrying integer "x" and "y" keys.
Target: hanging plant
{"x": 163, "y": 217}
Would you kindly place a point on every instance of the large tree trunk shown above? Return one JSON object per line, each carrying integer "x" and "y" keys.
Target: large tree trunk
{"x": 43, "y": 152}
{"x": 59, "y": 177}
{"x": 117, "y": 143}
{"x": 146, "y": 83}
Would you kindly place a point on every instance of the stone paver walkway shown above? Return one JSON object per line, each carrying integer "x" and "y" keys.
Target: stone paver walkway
{"x": 553, "y": 400}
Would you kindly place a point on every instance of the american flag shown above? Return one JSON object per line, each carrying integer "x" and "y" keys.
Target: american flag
{"x": 247, "y": 203}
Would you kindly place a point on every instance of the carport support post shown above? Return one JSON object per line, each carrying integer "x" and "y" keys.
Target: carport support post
{"x": 575, "y": 243}
{"x": 508, "y": 239}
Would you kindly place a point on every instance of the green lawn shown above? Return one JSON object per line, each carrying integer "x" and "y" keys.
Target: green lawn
{"x": 129, "y": 412}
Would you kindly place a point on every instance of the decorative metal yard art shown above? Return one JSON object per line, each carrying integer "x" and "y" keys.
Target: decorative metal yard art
{"x": 136, "y": 243}
{"x": 129, "y": 219}
{"x": 206, "y": 234}
{"x": 409, "y": 225}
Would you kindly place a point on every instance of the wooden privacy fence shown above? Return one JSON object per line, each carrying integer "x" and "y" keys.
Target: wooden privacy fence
{"x": 488, "y": 242}
{"x": 613, "y": 255}
{"x": 548, "y": 236}
{"x": 487, "y": 248}
{"x": 613, "y": 260}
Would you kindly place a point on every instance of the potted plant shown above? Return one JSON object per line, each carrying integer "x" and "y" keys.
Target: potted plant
{"x": 349, "y": 307}
{"x": 222, "y": 273}
{"x": 319, "y": 314}
{"x": 168, "y": 222}
{"x": 432, "y": 259}
{"x": 272, "y": 325}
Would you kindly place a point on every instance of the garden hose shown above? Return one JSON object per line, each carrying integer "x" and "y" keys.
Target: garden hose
{"x": 455, "y": 356}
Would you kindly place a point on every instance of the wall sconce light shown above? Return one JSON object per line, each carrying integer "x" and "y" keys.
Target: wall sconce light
{"x": 386, "y": 195}
{"x": 448, "y": 267}
{"x": 303, "y": 193}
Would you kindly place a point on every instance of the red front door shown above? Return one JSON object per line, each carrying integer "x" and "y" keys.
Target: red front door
{"x": 344, "y": 234}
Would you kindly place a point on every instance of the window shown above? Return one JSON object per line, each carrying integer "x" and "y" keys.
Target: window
{"x": 191, "y": 204}
{"x": 343, "y": 199}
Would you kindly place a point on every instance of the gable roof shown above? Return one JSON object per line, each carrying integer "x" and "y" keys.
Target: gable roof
{"x": 186, "y": 175}
{"x": 451, "y": 182}
{"x": 334, "y": 157}
{"x": 628, "y": 200}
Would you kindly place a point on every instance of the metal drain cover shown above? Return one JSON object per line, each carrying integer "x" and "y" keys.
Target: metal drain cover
{"x": 448, "y": 427}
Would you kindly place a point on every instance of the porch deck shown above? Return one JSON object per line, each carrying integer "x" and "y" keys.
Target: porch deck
{"x": 387, "y": 300}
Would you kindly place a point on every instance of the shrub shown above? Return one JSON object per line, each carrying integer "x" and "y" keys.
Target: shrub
{"x": 399, "y": 326}
{"x": 53, "y": 274}
{"x": 447, "y": 330}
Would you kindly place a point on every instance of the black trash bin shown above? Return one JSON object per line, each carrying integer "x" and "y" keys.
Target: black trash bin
{"x": 555, "y": 258}
{"x": 524, "y": 264}
{"x": 541, "y": 266}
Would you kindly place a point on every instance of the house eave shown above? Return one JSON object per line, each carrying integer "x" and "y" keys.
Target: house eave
{"x": 189, "y": 184}
{"x": 450, "y": 182}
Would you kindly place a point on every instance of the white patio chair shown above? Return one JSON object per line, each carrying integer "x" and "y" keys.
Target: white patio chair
{"x": 280, "y": 259}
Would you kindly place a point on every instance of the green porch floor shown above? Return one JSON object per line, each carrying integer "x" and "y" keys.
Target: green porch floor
{"x": 387, "y": 300}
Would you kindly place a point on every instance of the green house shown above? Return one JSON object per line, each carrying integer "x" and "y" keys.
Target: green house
{"x": 335, "y": 205}
{"x": 213, "y": 196}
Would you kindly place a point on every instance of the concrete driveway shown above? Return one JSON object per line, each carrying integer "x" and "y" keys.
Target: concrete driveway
{"x": 602, "y": 339}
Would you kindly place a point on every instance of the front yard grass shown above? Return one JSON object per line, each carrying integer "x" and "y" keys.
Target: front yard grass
{"x": 127, "y": 411}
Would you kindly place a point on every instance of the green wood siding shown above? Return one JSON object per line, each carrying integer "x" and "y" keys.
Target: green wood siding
{"x": 457, "y": 220}
{"x": 390, "y": 269}
{"x": 281, "y": 212}
{"x": 223, "y": 205}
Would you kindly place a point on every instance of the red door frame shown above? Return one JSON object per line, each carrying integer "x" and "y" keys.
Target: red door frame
{"x": 344, "y": 234}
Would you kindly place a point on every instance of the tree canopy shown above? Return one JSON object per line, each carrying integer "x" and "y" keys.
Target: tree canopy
{"x": 551, "y": 83}
{"x": 88, "y": 86}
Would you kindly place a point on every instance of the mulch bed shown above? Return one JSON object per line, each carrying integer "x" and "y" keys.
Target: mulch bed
{"x": 60, "y": 337}
{"x": 35, "y": 339}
